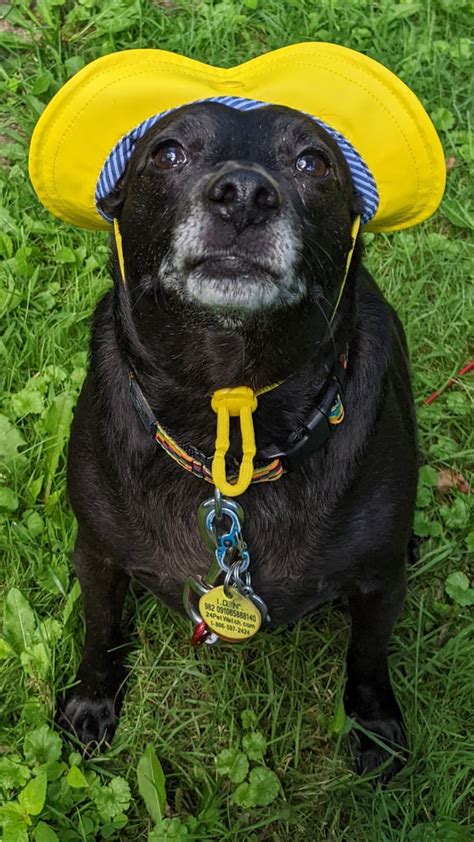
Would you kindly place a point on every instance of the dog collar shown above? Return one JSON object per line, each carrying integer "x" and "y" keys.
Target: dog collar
{"x": 272, "y": 462}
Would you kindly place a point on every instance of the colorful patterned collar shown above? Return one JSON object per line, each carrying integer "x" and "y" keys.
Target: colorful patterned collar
{"x": 273, "y": 461}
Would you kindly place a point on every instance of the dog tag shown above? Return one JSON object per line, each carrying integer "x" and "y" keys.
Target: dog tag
{"x": 202, "y": 634}
{"x": 233, "y": 618}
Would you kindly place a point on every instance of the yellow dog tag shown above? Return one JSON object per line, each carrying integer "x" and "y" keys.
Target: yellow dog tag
{"x": 233, "y": 618}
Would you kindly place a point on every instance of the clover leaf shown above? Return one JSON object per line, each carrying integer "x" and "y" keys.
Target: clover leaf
{"x": 457, "y": 587}
{"x": 42, "y": 745}
{"x": 13, "y": 773}
{"x": 113, "y": 798}
{"x": 261, "y": 789}
{"x": 233, "y": 763}
{"x": 254, "y": 745}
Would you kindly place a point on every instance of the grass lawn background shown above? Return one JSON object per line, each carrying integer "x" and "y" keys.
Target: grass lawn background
{"x": 193, "y": 706}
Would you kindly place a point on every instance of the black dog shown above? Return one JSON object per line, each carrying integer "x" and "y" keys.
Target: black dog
{"x": 236, "y": 229}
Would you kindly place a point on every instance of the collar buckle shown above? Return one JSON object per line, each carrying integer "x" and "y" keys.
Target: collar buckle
{"x": 314, "y": 434}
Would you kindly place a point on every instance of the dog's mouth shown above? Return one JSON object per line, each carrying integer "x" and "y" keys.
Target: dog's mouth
{"x": 230, "y": 264}
{"x": 223, "y": 280}
{"x": 252, "y": 275}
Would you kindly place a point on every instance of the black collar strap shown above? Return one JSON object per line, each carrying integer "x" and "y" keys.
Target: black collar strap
{"x": 318, "y": 425}
{"x": 273, "y": 461}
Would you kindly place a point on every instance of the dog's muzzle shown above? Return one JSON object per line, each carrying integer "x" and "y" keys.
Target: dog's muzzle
{"x": 237, "y": 247}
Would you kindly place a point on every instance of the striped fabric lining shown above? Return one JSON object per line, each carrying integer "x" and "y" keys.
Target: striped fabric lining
{"x": 117, "y": 161}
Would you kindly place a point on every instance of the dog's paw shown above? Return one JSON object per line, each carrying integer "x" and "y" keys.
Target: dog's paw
{"x": 386, "y": 750}
{"x": 92, "y": 721}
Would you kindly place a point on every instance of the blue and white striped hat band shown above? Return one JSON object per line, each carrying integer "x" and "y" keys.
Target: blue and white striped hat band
{"x": 116, "y": 163}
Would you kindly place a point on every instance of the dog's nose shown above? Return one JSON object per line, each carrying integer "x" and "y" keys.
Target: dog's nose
{"x": 243, "y": 196}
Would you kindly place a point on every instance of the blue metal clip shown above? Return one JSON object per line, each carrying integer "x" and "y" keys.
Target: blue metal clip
{"x": 229, "y": 540}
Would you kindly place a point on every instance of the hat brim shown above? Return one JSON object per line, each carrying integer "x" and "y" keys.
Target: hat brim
{"x": 357, "y": 96}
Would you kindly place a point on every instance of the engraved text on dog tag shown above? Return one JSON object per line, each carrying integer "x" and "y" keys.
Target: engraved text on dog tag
{"x": 233, "y": 617}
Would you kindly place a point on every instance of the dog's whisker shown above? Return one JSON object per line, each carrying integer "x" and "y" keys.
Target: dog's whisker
{"x": 311, "y": 257}
{"x": 331, "y": 337}
{"x": 139, "y": 297}
{"x": 317, "y": 244}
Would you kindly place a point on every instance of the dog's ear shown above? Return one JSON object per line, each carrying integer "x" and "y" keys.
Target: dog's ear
{"x": 112, "y": 203}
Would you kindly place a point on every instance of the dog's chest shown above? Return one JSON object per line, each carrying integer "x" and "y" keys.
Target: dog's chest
{"x": 287, "y": 568}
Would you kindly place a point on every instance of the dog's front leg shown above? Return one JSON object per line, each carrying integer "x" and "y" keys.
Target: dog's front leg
{"x": 90, "y": 709}
{"x": 369, "y": 696}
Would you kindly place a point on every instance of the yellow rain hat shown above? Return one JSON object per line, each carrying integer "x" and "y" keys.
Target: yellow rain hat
{"x": 86, "y": 135}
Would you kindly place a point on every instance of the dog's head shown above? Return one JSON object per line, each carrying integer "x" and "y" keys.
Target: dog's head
{"x": 236, "y": 212}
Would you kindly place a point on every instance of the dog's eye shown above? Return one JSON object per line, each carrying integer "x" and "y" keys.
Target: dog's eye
{"x": 169, "y": 155}
{"x": 313, "y": 163}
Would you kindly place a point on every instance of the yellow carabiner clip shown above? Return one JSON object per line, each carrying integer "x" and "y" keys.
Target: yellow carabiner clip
{"x": 226, "y": 403}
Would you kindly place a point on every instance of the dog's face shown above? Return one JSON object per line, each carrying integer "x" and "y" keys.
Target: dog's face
{"x": 236, "y": 212}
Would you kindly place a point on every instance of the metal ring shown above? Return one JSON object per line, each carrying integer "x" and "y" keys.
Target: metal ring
{"x": 243, "y": 586}
{"x": 228, "y": 577}
{"x": 233, "y": 575}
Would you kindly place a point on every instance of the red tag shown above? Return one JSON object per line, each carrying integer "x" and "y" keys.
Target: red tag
{"x": 200, "y": 634}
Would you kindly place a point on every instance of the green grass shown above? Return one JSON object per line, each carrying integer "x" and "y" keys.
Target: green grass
{"x": 189, "y": 704}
